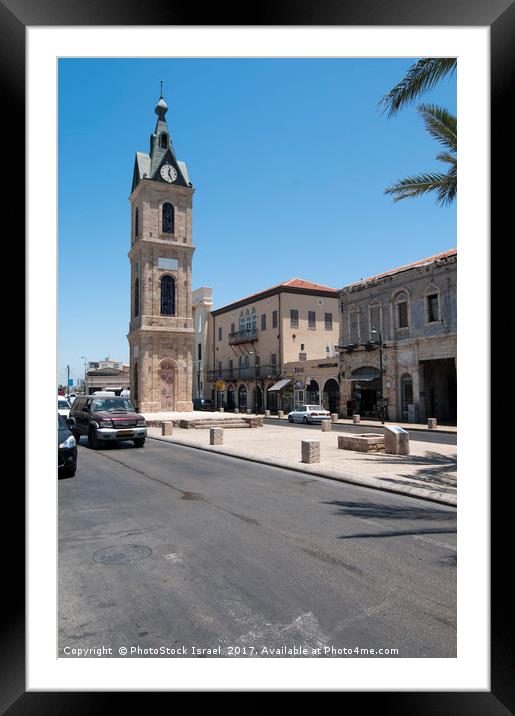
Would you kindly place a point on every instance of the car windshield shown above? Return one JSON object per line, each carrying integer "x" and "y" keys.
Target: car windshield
{"x": 315, "y": 407}
{"x": 61, "y": 422}
{"x": 63, "y": 404}
{"x": 112, "y": 405}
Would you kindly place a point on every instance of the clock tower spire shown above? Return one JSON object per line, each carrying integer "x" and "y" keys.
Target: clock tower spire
{"x": 161, "y": 327}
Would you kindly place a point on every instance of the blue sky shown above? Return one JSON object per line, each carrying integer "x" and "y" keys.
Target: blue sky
{"x": 289, "y": 159}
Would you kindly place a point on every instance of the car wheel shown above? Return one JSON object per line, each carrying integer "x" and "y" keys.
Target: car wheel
{"x": 94, "y": 442}
{"x": 139, "y": 442}
{"x": 290, "y": 419}
{"x": 69, "y": 473}
{"x": 305, "y": 420}
{"x": 76, "y": 436}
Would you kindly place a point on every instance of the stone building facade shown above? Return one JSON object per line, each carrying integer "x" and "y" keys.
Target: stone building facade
{"x": 413, "y": 311}
{"x": 252, "y": 339}
{"x": 202, "y": 304}
{"x": 161, "y": 324}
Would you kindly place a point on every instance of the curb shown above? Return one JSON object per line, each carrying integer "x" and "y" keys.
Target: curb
{"x": 378, "y": 425}
{"x": 371, "y": 482}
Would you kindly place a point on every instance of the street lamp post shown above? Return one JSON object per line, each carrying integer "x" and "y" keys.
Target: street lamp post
{"x": 198, "y": 370}
{"x": 84, "y": 374}
{"x": 382, "y": 402}
{"x": 256, "y": 377}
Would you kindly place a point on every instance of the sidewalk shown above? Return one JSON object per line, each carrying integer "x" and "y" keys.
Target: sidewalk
{"x": 429, "y": 472}
{"x": 369, "y": 423}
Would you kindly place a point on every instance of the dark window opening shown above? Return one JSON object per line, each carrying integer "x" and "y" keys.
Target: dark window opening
{"x": 164, "y": 140}
{"x": 136, "y": 222}
{"x": 403, "y": 314}
{"x": 294, "y": 318}
{"x": 274, "y": 319}
{"x": 328, "y": 320}
{"x": 312, "y": 319}
{"x": 263, "y": 321}
{"x": 432, "y": 305}
{"x": 136, "y": 298}
{"x": 167, "y": 296}
{"x": 168, "y": 218}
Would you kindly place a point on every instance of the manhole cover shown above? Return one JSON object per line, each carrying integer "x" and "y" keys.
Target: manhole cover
{"x": 122, "y": 554}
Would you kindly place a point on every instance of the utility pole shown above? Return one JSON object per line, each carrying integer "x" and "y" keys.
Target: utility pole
{"x": 67, "y": 380}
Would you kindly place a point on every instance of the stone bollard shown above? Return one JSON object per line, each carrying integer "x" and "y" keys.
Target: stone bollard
{"x": 280, "y": 414}
{"x": 267, "y": 413}
{"x": 236, "y": 410}
{"x": 166, "y": 428}
{"x": 396, "y": 440}
{"x": 356, "y": 419}
{"x": 310, "y": 450}
{"x": 431, "y": 423}
{"x": 216, "y": 436}
{"x": 334, "y": 417}
{"x": 326, "y": 426}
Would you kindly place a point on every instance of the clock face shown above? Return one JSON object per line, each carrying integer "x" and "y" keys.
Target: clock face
{"x": 168, "y": 173}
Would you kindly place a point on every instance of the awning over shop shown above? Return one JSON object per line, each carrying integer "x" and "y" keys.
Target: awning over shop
{"x": 365, "y": 375}
{"x": 279, "y": 385}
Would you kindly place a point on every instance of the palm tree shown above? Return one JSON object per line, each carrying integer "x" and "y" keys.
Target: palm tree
{"x": 442, "y": 126}
{"x": 421, "y": 77}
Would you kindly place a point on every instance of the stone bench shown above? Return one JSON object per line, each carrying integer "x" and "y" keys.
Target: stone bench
{"x": 369, "y": 442}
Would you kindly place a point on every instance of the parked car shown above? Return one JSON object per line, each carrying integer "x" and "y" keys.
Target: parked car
{"x": 106, "y": 418}
{"x": 63, "y": 406}
{"x": 67, "y": 449}
{"x": 309, "y": 414}
{"x": 70, "y": 398}
{"x": 203, "y": 404}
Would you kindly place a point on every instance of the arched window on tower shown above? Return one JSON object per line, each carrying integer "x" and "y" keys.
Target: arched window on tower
{"x": 136, "y": 298}
{"x": 168, "y": 218}
{"x": 136, "y": 222}
{"x": 168, "y": 296}
{"x": 164, "y": 140}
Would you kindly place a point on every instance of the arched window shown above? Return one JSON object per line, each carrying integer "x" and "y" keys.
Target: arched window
{"x": 242, "y": 321}
{"x": 164, "y": 140}
{"x": 168, "y": 218}
{"x": 402, "y": 310}
{"x": 136, "y": 222}
{"x": 247, "y": 320}
{"x": 253, "y": 320}
{"x": 168, "y": 296}
{"x": 136, "y": 298}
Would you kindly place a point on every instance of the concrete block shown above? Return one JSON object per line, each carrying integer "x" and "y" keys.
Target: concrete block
{"x": 326, "y": 426}
{"x": 222, "y": 410}
{"x": 356, "y": 419}
{"x": 236, "y": 410}
{"x": 267, "y": 413}
{"x": 334, "y": 417}
{"x": 280, "y": 414}
{"x": 167, "y": 428}
{"x": 396, "y": 440}
{"x": 431, "y": 423}
{"x": 368, "y": 442}
{"x": 216, "y": 436}
{"x": 249, "y": 411}
{"x": 310, "y": 451}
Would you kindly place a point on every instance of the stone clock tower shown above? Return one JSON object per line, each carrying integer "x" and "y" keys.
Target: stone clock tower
{"x": 161, "y": 327}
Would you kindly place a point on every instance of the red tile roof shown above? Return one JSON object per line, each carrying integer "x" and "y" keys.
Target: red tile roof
{"x": 292, "y": 283}
{"x": 421, "y": 262}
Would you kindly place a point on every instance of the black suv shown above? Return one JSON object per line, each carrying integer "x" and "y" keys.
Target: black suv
{"x": 106, "y": 419}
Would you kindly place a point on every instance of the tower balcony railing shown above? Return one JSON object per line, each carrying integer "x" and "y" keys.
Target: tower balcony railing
{"x": 247, "y": 336}
{"x": 261, "y": 373}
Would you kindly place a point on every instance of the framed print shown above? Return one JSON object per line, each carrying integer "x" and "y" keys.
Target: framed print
{"x": 253, "y": 103}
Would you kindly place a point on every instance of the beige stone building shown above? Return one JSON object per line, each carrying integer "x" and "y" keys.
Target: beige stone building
{"x": 202, "y": 302}
{"x": 161, "y": 324}
{"x": 315, "y": 382}
{"x": 412, "y": 311}
{"x": 251, "y": 341}
{"x": 107, "y": 374}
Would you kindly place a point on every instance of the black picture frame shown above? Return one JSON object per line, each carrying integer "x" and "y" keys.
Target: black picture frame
{"x": 499, "y": 16}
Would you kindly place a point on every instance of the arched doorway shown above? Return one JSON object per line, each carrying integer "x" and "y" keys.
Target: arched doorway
{"x": 167, "y": 385}
{"x": 231, "y": 402}
{"x": 242, "y": 398}
{"x": 271, "y": 401}
{"x": 331, "y": 400}
{"x": 365, "y": 391}
{"x": 313, "y": 392}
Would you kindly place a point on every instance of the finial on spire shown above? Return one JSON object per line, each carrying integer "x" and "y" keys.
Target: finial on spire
{"x": 161, "y": 106}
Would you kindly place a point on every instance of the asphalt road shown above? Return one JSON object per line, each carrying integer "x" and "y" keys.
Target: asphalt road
{"x": 431, "y": 436}
{"x": 247, "y": 558}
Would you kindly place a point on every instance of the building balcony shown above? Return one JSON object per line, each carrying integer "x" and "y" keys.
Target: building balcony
{"x": 261, "y": 373}
{"x": 243, "y": 337}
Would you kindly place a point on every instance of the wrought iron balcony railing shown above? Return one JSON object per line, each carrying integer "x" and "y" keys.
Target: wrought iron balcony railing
{"x": 243, "y": 336}
{"x": 251, "y": 373}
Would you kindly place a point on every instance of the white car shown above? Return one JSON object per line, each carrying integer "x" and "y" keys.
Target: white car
{"x": 309, "y": 414}
{"x": 63, "y": 406}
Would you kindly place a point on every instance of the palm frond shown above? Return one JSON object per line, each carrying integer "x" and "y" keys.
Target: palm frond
{"x": 409, "y": 187}
{"x": 421, "y": 77}
{"x": 440, "y": 124}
